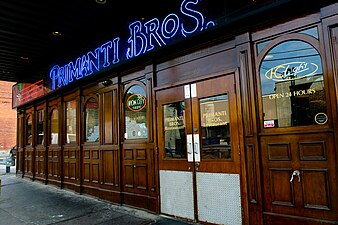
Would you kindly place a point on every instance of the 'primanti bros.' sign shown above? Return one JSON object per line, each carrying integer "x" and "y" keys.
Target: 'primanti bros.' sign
{"x": 144, "y": 37}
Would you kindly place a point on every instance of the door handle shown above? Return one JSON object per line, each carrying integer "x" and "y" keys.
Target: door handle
{"x": 295, "y": 173}
{"x": 189, "y": 148}
{"x": 196, "y": 148}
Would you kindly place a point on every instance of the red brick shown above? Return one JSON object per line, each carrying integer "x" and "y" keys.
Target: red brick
{"x": 7, "y": 117}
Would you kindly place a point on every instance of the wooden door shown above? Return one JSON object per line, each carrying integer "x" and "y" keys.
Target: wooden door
{"x": 299, "y": 179}
{"x": 198, "y": 151}
{"x": 138, "y": 168}
{"x": 40, "y": 143}
{"x": 297, "y": 139}
{"x": 29, "y": 150}
{"x": 53, "y": 144}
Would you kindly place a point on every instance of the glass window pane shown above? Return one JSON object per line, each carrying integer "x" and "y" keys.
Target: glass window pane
{"x": 292, "y": 85}
{"x": 135, "y": 113}
{"x": 215, "y": 124}
{"x": 54, "y": 126}
{"x": 260, "y": 46}
{"x": 92, "y": 121}
{"x": 174, "y": 131}
{"x": 71, "y": 122}
{"x": 41, "y": 119}
{"x": 29, "y": 130}
{"x": 312, "y": 32}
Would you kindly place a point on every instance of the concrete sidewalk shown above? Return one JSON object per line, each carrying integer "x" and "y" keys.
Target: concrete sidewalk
{"x": 25, "y": 202}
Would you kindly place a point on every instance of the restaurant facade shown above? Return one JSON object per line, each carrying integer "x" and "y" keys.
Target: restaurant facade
{"x": 235, "y": 123}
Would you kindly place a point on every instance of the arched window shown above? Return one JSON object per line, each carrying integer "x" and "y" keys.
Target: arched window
{"x": 292, "y": 86}
{"x": 92, "y": 131}
{"x": 29, "y": 123}
{"x": 135, "y": 113}
{"x": 54, "y": 127}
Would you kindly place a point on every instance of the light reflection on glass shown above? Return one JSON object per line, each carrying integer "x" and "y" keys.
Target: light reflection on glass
{"x": 292, "y": 85}
{"x": 215, "y": 124}
{"x": 174, "y": 130}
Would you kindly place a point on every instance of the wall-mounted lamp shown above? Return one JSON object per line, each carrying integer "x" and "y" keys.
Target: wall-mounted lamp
{"x": 106, "y": 82}
{"x": 101, "y": 1}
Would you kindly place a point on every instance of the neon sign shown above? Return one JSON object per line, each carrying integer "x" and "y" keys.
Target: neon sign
{"x": 144, "y": 37}
{"x": 291, "y": 71}
{"x": 136, "y": 102}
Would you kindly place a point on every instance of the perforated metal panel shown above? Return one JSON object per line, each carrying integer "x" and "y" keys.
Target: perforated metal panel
{"x": 176, "y": 192}
{"x": 219, "y": 199}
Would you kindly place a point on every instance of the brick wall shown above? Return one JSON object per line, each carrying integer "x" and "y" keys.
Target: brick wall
{"x": 7, "y": 117}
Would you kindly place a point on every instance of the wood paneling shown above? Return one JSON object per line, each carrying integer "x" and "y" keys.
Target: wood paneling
{"x": 312, "y": 151}
{"x": 20, "y": 161}
{"x": 111, "y": 168}
{"x": 20, "y": 141}
{"x": 54, "y": 157}
{"x": 251, "y": 167}
{"x": 70, "y": 164}
{"x": 138, "y": 176}
{"x": 29, "y": 162}
{"x": 316, "y": 181}
{"x": 190, "y": 66}
{"x": 251, "y": 173}
{"x": 279, "y": 152}
{"x": 108, "y": 117}
{"x": 108, "y": 172}
{"x": 246, "y": 93}
{"x": 282, "y": 192}
{"x": 40, "y": 163}
{"x": 100, "y": 161}
{"x": 311, "y": 194}
{"x": 91, "y": 165}
{"x": 135, "y": 168}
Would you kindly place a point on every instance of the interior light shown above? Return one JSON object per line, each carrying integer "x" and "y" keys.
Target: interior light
{"x": 24, "y": 57}
{"x": 56, "y": 33}
{"x": 101, "y": 1}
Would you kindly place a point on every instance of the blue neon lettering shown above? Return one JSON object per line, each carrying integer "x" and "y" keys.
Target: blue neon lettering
{"x": 152, "y": 27}
{"x": 62, "y": 78}
{"x": 210, "y": 24}
{"x": 137, "y": 40}
{"x": 93, "y": 61}
{"x": 105, "y": 51}
{"x": 170, "y": 26}
{"x": 116, "y": 58}
{"x": 74, "y": 71}
{"x": 66, "y": 72}
{"x": 197, "y": 16}
{"x": 54, "y": 76}
{"x": 144, "y": 37}
{"x": 84, "y": 68}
